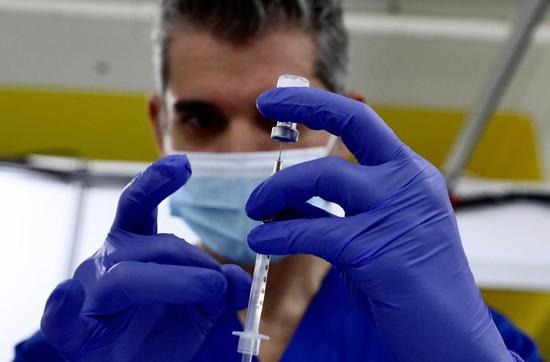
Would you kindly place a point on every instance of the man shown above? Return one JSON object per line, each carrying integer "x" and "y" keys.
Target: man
{"x": 389, "y": 281}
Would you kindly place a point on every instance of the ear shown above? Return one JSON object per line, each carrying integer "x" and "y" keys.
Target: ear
{"x": 342, "y": 149}
{"x": 358, "y": 96}
{"x": 155, "y": 117}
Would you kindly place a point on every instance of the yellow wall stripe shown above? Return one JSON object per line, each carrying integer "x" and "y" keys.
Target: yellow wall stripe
{"x": 102, "y": 125}
{"x": 93, "y": 125}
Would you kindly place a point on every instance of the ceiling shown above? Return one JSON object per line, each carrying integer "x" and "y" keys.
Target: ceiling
{"x": 492, "y": 9}
{"x": 470, "y": 8}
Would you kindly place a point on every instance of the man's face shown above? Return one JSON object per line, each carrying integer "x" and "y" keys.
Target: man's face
{"x": 210, "y": 101}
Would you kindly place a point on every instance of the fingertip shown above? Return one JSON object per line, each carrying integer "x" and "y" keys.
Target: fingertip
{"x": 239, "y": 283}
{"x": 165, "y": 175}
{"x": 262, "y": 240}
{"x": 218, "y": 285}
{"x": 260, "y": 205}
{"x": 215, "y": 280}
{"x": 250, "y": 207}
{"x": 62, "y": 311}
{"x": 235, "y": 273}
{"x": 137, "y": 205}
{"x": 176, "y": 166}
{"x": 67, "y": 291}
{"x": 270, "y": 103}
{"x": 262, "y": 99}
{"x": 252, "y": 235}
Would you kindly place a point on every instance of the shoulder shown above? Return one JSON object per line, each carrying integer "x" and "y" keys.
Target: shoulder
{"x": 516, "y": 340}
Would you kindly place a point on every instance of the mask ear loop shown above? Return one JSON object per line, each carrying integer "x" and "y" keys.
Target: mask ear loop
{"x": 333, "y": 146}
{"x": 333, "y": 149}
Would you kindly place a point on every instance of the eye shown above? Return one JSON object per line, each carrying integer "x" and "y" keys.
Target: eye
{"x": 199, "y": 119}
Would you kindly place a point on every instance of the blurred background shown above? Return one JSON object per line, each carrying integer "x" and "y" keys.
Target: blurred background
{"x": 74, "y": 79}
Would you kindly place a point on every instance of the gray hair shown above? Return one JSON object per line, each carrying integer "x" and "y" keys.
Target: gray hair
{"x": 239, "y": 20}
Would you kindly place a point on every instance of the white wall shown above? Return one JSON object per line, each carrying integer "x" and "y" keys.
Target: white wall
{"x": 37, "y": 218}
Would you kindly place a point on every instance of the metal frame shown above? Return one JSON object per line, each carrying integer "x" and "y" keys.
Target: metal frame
{"x": 494, "y": 88}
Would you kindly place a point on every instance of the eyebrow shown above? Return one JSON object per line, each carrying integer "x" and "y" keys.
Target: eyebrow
{"x": 188, "y": 106}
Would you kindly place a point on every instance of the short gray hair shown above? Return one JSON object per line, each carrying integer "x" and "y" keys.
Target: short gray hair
{"x": 239, "y": 20}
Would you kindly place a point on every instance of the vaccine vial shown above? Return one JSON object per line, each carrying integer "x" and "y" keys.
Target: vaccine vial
{"x": 287, "y": 131}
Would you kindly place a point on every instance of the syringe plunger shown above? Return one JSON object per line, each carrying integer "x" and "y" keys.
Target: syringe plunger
{"x": 250, "y": 338}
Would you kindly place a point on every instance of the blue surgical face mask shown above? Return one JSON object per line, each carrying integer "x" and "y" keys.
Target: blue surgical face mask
{"x": 213, "y": 200}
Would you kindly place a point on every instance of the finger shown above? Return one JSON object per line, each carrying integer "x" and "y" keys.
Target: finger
{"x": 161, "y": 249}
{"x": 319, "y": 237}
{"x": 333, "y": 239}
{"x": 302, "y": 211}
{"x": 137, "y": 206}
{"x": 238, "y": 286}
{"x": 62, "y": 324}
{"x": 355, "y": 188}
{"x": 365, "y": 134}
{"x": 130, "y": 283}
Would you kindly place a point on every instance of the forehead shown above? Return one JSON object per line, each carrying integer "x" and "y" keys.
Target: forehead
{"x": 202, "y": 66}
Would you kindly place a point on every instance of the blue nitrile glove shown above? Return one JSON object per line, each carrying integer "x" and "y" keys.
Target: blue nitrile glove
{"x": 143, "y": 296}
{"x": 398, "y": 247}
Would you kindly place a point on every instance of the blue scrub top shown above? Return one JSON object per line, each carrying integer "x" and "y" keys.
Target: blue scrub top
{"x": 334, "y": 328}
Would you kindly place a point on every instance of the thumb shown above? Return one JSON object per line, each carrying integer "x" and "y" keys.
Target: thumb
{"x": 137, "y": 206}
{"x": 239, "y": 283}
{"x": 61, "y": 324}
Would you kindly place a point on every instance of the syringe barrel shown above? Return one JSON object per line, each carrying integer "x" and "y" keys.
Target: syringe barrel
{"x": 257, "y": 293}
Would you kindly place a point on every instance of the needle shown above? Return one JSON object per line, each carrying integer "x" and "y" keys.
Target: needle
{"x": 278, "y": 164}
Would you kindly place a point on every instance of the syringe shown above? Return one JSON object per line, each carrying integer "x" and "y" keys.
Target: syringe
{"x": 249, "y": 339}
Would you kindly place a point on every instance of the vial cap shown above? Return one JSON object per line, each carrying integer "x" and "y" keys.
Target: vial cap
{"x": 289, "y": 80}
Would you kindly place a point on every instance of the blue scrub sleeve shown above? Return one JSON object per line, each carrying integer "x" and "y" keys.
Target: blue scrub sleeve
{"x": 516, "y": 341}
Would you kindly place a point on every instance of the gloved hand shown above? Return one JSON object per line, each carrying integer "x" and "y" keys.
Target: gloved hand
{"x": 398, "y": 246}
{"x": 143, "y": 296}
